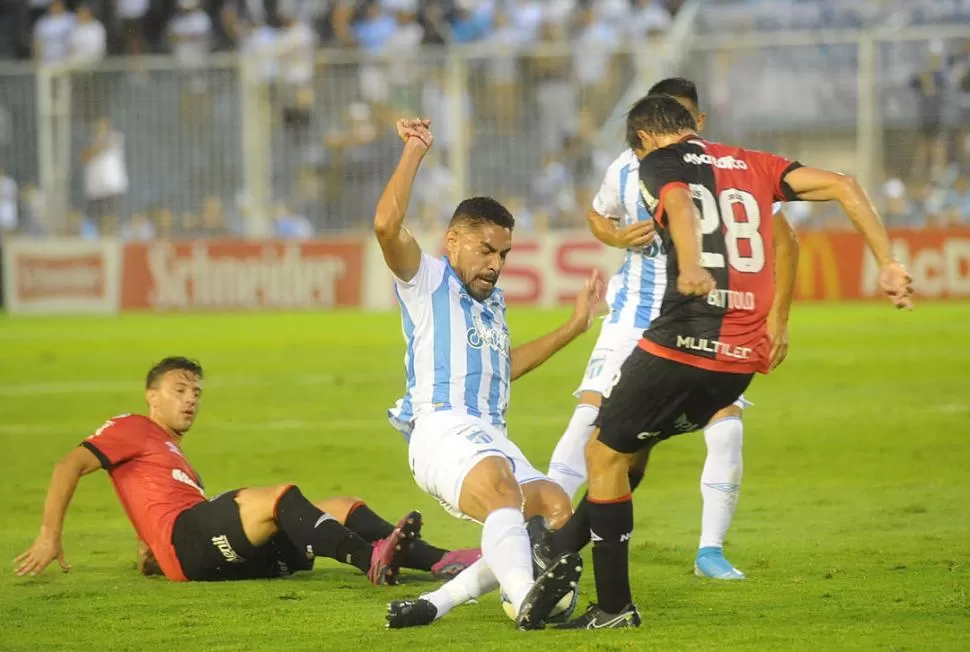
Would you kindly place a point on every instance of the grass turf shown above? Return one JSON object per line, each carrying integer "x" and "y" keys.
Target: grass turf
{"x": 852, "y": 525}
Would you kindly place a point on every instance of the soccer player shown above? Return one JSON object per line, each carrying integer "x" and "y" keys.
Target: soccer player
{"x": 459, "y": 365}
{"x": 619, "y": 218}
{"x": 712, "y": 207}
{"x": 251, "y": 533}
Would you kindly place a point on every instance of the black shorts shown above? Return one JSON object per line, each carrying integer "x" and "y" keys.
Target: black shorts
{"x": 211, "y": 546}
{"x": 655, "y": 398}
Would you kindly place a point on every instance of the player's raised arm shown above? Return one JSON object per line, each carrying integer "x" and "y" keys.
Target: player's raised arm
{"x": 813, "y": 184}
{"x": 47, "y": 546}
{"x": 786, "y": 267}
{"x": 401, "y": 251}
{"x": 528, "y": 356}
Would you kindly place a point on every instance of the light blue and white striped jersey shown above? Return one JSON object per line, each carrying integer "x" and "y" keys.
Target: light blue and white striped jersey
{"x": 635, "y": 292}
{"x": 457, "y": 356}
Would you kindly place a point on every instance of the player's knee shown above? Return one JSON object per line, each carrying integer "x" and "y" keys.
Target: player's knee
{"x": 602, "y": 458}
{"x": 492, "y": 485}
{"x": 558, "y": 508}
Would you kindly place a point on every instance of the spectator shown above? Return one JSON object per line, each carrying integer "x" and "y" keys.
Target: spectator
{"x": 592, "y": 61}
{"x": 402, "y": 51}
{"x": 213, "y": 218}
{"x": 960, "y": 82}
{"x": 295, "y": 51}
{"x": 34, "y": 220}
{"x": 52, "y": 34}
{"x": 555, "y": 90}
{"x": 133, "y": 15}
{"x": 88, "y": 40}
{"x": 8, "y": 203}
{"x": 258, "y": 41}
{"x": 105, "y": 173}
{"x": 502, "y": 71}
{"x": 190, "y": 34}
{"x": 957, "y": 202}
{"x": 649, "y": 17}
{"x": 288, "y": 225}
{"x": 930, "y": 87}
{"x": 472, "y": 21}
{"x": 140, "y": 229}
{"x": 164, "y": 220}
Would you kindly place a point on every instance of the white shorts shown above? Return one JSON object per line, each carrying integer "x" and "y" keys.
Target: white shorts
{"x": 445, "y": 446}
{"x": 613, "y": 346}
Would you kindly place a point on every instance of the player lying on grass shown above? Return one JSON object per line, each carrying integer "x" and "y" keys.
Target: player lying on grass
{"x": 459, "y": 366}
{"x": 619, "y": 218}
{"x": 712, "y": 207}
{"x": 250, "y": 533}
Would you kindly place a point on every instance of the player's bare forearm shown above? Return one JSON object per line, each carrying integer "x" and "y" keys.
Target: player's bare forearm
{"x": 401, "y": 251}
{"x": 64, "y": 479}
{"x": 602, "y": 228}
{"x": 786, "y": 266}
{"x": 528, "y": 356}
{"x": 682, "y": 225}
{"x": 812, "y": 184}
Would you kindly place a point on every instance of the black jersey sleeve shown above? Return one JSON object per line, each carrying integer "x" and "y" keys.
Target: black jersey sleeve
{"x": 660, "y": 171}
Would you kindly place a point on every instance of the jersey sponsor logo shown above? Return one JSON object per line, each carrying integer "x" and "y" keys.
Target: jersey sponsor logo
{"x": 480, "y": 335}
{"x": 184, "y": 478}
{"x": 649, "y": 200}
{"x": 684, "y": 424}
{"x": 705, "y": 345}
{"x": 723, "y": 162}
{"x": 595, "y": 367}
{"x": 222, "y": 543}
{"x": 175, "y": 449}
{"x": 643, "y": 436}
{"x": 732, "y": 299}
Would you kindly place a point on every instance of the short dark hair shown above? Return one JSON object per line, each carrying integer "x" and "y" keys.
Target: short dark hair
{"x": 171, "y": 364}
{"x": 683, "y": 89}
{"x": 657, "y": 114}
{"x": 480, "y": 210}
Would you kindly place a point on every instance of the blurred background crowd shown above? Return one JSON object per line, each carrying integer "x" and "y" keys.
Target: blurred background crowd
{"x": 158, "y": 114}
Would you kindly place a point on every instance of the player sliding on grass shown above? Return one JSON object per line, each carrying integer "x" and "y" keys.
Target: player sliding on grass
{"x": 619, "y": 218}
{"x": 712, "y": 208}
{"x": 251, "y": 533}
{"x": 459, "y": 366}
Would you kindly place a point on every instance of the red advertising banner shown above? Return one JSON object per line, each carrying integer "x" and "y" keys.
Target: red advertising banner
{"x": 836, "y": 265}
{"x": 60, "y": 275}
{"x": 241, "y": 275}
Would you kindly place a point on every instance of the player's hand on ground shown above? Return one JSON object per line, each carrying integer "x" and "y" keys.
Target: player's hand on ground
{"x": 587, "y": 301}
{"x": 46, "y": 549}
{"x": 695, "y": 281}
{"x": 417, "y": 129}
{"x": 896, "y": 282}
{"x": 778, "y": 332}
{"x": 636, "y": 235}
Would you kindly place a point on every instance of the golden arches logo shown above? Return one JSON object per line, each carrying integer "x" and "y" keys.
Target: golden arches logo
{"x": 812, "y": 248}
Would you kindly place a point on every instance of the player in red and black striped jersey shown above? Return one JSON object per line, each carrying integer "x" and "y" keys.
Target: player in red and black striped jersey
{"x": 719, "y": 323}
{"x": 250, "y": 533}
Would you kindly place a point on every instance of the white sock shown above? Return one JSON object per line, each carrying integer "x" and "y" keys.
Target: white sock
{"x": 721, "y": 479}
{"x": 476, "y": 580}
{"x": 568, "y": 464}
{"x": 506, "y": 550}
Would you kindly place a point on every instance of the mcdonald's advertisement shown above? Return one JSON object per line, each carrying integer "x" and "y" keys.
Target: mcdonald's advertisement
{"x": 837, "y": 265}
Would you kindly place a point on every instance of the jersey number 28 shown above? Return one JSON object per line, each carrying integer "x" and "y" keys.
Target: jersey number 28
{"x": 711, "y": 212}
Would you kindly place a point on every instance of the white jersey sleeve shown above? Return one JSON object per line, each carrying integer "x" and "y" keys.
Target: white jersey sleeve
{"x": 776, "y": 208}
{"x": 428, "y": 277}
{"x": 608, "y": 202}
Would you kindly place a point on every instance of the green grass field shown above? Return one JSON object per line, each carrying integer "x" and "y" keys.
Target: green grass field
{"x": 853, "y": 526}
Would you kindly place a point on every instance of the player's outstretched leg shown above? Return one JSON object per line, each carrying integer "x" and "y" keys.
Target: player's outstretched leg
{"x": 358, "y": 517}
{"x": 264, "y": 511}
{"x": 567, "y": 467}
{"x": 720, "y": 486}
{"x": 477, "y": 580}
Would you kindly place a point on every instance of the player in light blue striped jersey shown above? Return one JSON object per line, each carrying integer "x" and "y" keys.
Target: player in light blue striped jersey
{"x": 619, "y": 218}
{"x": 460, "y": 365}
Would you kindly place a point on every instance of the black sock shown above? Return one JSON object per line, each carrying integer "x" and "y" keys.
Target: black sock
{"x": 574, "y": 535}
{"x": 371, "y": 527}
{"x": 422, "y": 555}
{"x": 312, "y": 529}
{"x": 367, "y": 524}
{"x": 613, "y": 524}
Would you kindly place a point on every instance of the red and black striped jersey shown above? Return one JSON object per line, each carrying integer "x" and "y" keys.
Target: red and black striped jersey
{"x": 733, "y": 190}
